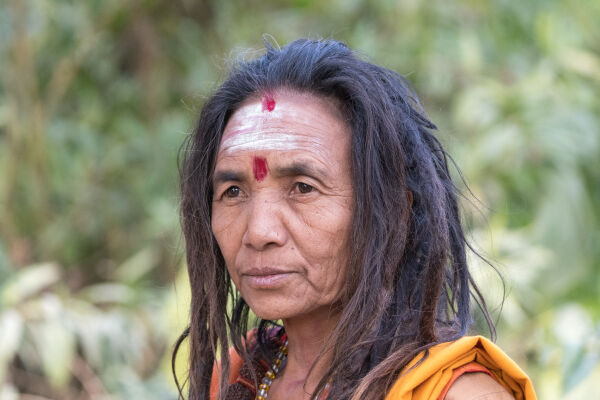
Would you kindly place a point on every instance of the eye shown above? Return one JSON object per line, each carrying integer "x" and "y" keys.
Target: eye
{"x": 304, "y": 187}
{"x": 232, "y": 191}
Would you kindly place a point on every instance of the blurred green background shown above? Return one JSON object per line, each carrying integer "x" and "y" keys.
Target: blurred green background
{"x": 96, "y": 97}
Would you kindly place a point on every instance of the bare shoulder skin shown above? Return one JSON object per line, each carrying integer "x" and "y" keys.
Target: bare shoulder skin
{"x": 477, "y": 386}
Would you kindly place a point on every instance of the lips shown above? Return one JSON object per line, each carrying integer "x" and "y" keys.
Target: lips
{"x": 264, "y": 271}
{"x": 265, "y": 277}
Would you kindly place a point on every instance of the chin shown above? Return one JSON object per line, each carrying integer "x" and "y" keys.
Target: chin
{"x": 267, "y": 310}
{"x": 271, "y": 314}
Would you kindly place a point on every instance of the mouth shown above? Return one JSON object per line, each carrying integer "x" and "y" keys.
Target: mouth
{"x": 265, "y": 277}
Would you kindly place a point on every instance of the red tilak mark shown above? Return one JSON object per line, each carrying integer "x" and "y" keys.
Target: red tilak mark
{"x": 268, "y": 103}
{"x": 259, "y": 168}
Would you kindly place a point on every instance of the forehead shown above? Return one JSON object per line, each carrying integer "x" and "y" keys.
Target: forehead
{"x": 284, "y": 121}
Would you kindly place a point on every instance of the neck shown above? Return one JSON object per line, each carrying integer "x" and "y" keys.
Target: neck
{"x": 307, "y": 336}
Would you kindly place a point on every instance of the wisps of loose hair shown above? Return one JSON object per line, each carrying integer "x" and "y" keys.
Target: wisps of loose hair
{"x": 408, "y": 285}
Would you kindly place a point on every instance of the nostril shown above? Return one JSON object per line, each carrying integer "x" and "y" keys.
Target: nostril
{"x": 265, "y": 226}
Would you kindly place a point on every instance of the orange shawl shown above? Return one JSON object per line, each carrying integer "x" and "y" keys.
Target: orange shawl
{"x": 431, "y": 379}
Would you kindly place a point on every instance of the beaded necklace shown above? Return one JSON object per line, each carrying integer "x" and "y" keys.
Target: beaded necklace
{"x": 277, "y": 365}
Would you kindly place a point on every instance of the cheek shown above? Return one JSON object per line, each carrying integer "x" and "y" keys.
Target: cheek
{"x": 327, "y": 222}
{"x": 326, "y": 240}
{"x": 225, "y": 230}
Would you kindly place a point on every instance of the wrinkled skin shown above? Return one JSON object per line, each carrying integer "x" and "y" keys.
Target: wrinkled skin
{"x": 283, "y": 230}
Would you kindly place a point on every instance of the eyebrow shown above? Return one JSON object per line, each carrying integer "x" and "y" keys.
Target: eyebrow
{"x": 297, "y": 168}
{"x": 302, "y": 168}
{"x": 227, "y": 176}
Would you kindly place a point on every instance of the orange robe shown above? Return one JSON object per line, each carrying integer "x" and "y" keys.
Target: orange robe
{"x": 430, "y": 379}
{"x": 446, "y": 362}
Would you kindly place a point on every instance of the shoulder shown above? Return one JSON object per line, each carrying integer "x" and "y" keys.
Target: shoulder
{"x": 435, "y": 373}
{"x": 477, "y": 386}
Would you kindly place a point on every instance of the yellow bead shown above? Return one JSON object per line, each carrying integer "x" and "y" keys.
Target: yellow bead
{"x": 270, "y": 375}
{"x": 284, "y": 350}
{"x": 277, "y": 362}
{"x": 264, "y": 387}
{"x": 259, "y": 397}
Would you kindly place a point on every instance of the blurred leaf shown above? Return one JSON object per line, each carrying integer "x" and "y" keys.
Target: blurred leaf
{"x": 583, "y": 62}
{"x": 8, "y": 392}
{"x": 108, "y": 293}
{"x": 29, "y": 281}
{"x": 55, "y": 342}
{"x": 11, "y": 327}
{"x": 176, "y": 312}
{"x": 56, "y": 345}
{"x": 137, "y": 266}
{"x": 581, "y": 366}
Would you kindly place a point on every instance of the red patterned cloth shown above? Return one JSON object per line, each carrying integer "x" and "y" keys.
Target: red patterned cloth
{"x": 241, "y": 383}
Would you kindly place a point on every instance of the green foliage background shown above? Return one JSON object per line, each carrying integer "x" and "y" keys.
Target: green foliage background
{"x": 96, "y": 97}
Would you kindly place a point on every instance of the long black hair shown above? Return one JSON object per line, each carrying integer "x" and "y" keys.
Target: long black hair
{"x": 408, "y": 284}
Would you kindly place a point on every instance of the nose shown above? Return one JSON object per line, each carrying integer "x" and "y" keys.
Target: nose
{"x": 266, "y": 227}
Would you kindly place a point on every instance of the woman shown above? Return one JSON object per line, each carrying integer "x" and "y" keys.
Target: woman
{"x": 315, "y": 195}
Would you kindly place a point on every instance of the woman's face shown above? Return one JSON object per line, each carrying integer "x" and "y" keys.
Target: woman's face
{"x": 282, "y": 204}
